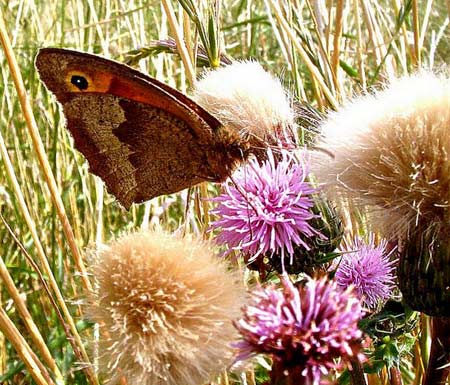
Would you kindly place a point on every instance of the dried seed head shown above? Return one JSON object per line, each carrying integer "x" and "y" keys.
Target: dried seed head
{"x": 244, "y": 97}
{"x": 167, "y": 306}
{"x": 392, "y": 151}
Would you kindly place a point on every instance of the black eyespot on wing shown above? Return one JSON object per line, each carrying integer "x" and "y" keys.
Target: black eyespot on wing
{"x": 80, "y": 82}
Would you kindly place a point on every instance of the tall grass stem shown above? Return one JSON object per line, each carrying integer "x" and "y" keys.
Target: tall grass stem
{"x": 35, "y": 367}
{"x": 178, "y": 36}
{"x": 40, "y": 150}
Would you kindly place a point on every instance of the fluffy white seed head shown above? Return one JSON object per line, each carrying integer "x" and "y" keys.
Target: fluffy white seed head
{"x": 165, "y": 307}
{"x": 245, "y": 97}
{"x": 392, "y": 152}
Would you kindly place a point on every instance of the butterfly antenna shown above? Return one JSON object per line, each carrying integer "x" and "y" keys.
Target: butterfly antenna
{"x": 245, "y": 196}
{"x": 253, "y": 207}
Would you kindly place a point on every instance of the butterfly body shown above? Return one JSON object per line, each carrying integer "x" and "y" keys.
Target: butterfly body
{"x": 140, "y": 136}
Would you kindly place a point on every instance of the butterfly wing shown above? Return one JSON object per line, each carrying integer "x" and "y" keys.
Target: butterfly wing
{"x": 143, "y": 138}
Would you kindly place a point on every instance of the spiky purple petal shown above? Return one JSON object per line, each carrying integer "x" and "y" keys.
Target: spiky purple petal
{"x": 369, "y": 268}
{"x": 270, "y": 210}
{"x": 306, "y": 327}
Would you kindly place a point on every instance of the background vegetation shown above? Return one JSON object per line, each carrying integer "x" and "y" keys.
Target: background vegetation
{"x": 53, "y": 209}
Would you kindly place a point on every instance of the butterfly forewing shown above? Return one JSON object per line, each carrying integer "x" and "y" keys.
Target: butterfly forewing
{"x": 143, "y": 138}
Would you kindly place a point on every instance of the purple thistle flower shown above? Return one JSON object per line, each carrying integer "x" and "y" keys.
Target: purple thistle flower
{"x": 305, "y": 329}
{"x": 369, "y": 269}
{"x": 270, "y": 210}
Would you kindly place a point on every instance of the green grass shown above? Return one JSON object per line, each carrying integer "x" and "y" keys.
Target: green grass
{"x": 319, "y": 64}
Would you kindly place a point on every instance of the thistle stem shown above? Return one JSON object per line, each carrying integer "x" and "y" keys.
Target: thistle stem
{"x": 395, "y": 376}
{"x": 282, "y": 376}
{"x": 357, "y": 373}
{"x": 438, "y": 370}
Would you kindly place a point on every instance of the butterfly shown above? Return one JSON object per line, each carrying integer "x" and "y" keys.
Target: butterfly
{"x": 142, "y": 137}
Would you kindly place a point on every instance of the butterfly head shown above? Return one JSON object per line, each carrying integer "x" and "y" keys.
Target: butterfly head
{"x": 229, "y": 151}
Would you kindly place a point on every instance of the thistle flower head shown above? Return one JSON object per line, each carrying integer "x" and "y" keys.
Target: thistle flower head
{"x": 391, "y": 151}
{"x": 270, "y": 212}
{"x": 244, "y": 97}
{"x": 167, "y": 305}
{"x": 369, "y": 269}
{"x": 306, "y": 327}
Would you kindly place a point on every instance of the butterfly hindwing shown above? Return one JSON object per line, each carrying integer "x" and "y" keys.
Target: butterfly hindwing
{"x": 139, "y": 151}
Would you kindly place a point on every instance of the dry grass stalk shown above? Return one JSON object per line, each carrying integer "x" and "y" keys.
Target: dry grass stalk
{"x": 39, "y": 248}
{"x": 32, "y": 126}
{"x": 337, "y": 37}
{"x": 181, "y": 46}
{"x": 416, "y": 31}
{"x": 35, "y": 367}
{"x": 295, "y": 41}
{"x": 28, "y": 320}
{"x": 359, "y": 45}
{"x": 324, "y": 54}
{"x": 39, "y": 148}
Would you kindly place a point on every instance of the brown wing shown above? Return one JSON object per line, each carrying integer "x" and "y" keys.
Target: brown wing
{"x": 139, "y": 151}
{"x": 141, "y": 137}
